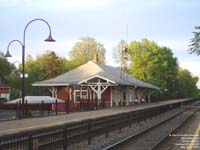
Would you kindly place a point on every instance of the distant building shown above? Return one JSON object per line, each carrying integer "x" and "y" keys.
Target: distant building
{"x": 37, "y": 100}
{"x": 98, "y": 85}
{"x": 5, "y": 91}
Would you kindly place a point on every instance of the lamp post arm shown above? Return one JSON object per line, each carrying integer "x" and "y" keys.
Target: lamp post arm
{"x": 13, "y": 42}
{"x": 37, "y": 19}
{"x": 8, "y": 53}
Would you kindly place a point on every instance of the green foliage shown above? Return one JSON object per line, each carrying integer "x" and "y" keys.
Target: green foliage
{"x": 186, "y": 84}
{"x": 5, "y": 67}
{"x": 157, "y": 65}
{"x": 195, "y": 42}
{"x": 152, "y": 63}
{"x": 85, "y": 49}
{"x": 9, "y": 75}
{"x": 14, "y": 81}
{"x": 45, "y": 66}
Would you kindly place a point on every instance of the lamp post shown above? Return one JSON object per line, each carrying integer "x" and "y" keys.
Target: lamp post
{"x": 49, "y": 39}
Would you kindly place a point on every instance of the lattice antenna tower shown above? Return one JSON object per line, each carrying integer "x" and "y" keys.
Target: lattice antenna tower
{"x": 124, "y": 57}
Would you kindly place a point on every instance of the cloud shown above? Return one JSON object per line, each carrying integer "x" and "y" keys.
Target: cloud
{"x": 15, "y": 3}
{"x": 72, "y": 4}
{"x": 60, "y": 4}
{"x": 7, "y": 3}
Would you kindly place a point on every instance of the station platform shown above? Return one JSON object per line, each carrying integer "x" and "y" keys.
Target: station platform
{"x": 14, "y": 126}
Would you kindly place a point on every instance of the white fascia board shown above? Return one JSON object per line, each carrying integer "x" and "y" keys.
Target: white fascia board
{"x": 96, "y": 76}
{"x": 86, "y": 85}
{"x": 61, "y": 84}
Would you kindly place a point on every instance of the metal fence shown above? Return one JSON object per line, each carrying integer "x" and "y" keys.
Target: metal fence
{"x": 14, "y": 111}
{"x": 61, "y": 136}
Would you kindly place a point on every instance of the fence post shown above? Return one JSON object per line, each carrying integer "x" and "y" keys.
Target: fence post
{"x": 20, "y": 110}
{"x": 145, "y": 116}
{"x": 66, "y": 106}
{"x": 107, "y": 130}
{"x": 88, "y": 104}
{"x": 89, "y": 132}
{"x": 26, "y": 108}
{"x": 139, "y": 118}
{"x": 42, "y": 108}
{"x": 80, "y": 104}
{"x": 65, "y": 137}
{"x": 56, "y": 106}
{"x": 130, "y": 120}
{"x": 35, "y": 144}
{"x": 120, "y": 128}
{"x": 48, "y": 109}
{"x": 17, "y": 109}
{"x": 30, "y": 142}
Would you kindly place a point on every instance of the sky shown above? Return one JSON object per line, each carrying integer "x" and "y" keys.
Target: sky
{"x": 167, "y": 22}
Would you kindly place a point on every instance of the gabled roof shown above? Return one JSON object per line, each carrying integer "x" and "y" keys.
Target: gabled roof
{"x": 93, "y": 69}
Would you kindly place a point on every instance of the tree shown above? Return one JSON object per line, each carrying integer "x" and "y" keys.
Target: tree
{"x": 117, "y": 51}
{"x": 5, "y": 67}
{"x": 186, "y": 84}
{"x": 153, "y": 64}
{"x": 14, "y": 81}
{"x": 10, "y": 76}
{"x": 45, "y": 66}
{"x": 195, "y": 42}
{"x": 85, "y": 49}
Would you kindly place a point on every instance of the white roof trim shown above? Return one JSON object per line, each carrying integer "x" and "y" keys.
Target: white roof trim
{"x": 96, "y": 76}
{"x": 61, "y": 84}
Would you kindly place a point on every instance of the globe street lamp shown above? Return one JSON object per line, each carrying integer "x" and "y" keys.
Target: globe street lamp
{"x": 49, "y": 39}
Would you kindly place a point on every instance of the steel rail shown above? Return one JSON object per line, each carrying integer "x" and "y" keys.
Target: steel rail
{"x": 177, "y": 127}
{"x": 142, "y": 132}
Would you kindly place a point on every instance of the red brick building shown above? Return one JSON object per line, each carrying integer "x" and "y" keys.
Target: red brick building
{"x": 98, "y": 85}
{"x": 5, "y": 91}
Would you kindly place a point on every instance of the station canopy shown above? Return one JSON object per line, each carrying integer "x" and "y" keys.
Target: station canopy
{"x": 37, "y": 100}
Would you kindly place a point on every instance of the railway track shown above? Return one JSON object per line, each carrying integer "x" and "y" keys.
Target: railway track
{"x": 189, "y": 131}
{"x": 150, "y": 137}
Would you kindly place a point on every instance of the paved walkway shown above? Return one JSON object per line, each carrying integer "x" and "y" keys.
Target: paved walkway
{"x": 8, "y": 127}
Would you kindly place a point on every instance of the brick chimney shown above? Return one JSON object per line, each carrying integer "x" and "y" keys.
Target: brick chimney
{"x": 95, "y": 58}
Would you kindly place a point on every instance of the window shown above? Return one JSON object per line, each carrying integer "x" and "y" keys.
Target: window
{"x": 3, "y": 95}
{"x": 116, "y": 95}
{"x": 77, "y": 95}
{"x": 80, "y": 94}
{"x": 124, "y": 96}
{"x": 84, "y": 94}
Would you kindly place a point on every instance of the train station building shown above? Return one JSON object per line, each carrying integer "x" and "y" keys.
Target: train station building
{"x": 98, "y": 85}
{"x": 4, "y": 91}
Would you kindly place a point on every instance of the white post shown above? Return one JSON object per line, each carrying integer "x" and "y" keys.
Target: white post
{"x": 139, "y": 96}
{"x": 111, "y": 97}
{"x": 99, "y": 92}
{"x": 149, "y": 96}
{"x": 53, "y": 92}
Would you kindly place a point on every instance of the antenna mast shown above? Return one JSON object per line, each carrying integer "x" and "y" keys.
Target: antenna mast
{"x": 124, "y": 57}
